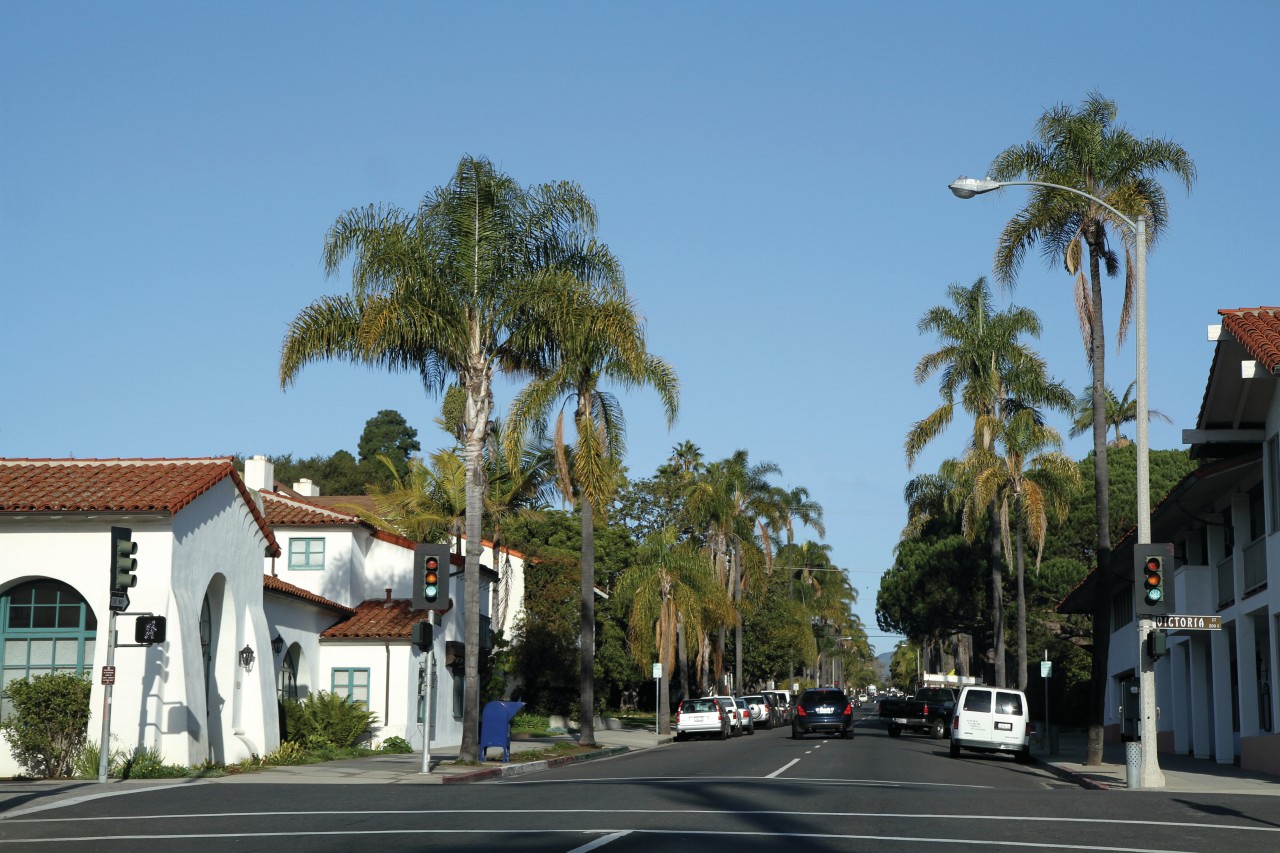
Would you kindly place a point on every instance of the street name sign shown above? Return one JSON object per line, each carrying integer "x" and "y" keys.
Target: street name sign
{"x": 1175, "y": 622}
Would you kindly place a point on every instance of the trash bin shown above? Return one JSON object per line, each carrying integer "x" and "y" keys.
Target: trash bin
{"x": 495, "y": 727}
{"x": 1133, "y": 764}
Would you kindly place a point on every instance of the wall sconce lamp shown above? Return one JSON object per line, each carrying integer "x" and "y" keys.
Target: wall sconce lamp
{"x": 277, "y": 645}
{"x": 246, "y": 658}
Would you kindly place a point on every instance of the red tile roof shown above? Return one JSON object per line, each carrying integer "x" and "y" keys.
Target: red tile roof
{"x": 287, "y": 511}
{"x": 378, "y": 619}
{"x": 117, "y": 485}
{"x": 1258, "y": 331}
{"x": 274, "y": 584}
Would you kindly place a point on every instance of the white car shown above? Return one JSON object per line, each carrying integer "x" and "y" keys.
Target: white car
{"x": 731, "y": 710}
{"x": 991, "y": 719}
{"x": 761, "y": 711}
{"x": 701, "y": 717}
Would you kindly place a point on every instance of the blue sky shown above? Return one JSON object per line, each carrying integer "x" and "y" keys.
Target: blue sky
{"x": 772, "y": 175}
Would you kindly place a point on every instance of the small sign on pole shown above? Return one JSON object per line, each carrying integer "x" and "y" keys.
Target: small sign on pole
{"x": 108, "y": 675}
{"x": 657, "y": 670}
{"x": 1046, "y": 668}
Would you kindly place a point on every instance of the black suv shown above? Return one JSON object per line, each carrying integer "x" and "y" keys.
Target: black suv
{"x": 822, "y": 709}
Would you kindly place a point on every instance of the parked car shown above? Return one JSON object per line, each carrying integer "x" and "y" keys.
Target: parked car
{"x": 992, "y": 719}
{"x": 744, "y": 711}
{"x": 731, "y": 711}
{"x": 783, "y": 700}
{"x": 822, "y": 709}
{"x": 701, "y": 717}
{"x": 763, "y": 712}
{"x": 928, "y": 711}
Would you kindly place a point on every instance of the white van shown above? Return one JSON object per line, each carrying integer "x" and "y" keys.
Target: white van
{"x": 991, "y": 719}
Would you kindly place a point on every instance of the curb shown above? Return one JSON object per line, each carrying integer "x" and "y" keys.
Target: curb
{"x": 527, "y": 767}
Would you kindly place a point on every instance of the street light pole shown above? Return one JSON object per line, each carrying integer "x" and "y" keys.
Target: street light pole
{"x": 1150, "y": 775}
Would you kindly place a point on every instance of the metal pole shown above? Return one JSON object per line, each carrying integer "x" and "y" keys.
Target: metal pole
{"x": 1046, "y": 707}
{"x": 1151, "y": 775}
{"x": 104, "y": 745}
{"x": 426, "y": 715}
{"x": 657, "y": 705}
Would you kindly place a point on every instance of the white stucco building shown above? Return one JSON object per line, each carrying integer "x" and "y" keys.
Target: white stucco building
{"x": 267, "y": 595}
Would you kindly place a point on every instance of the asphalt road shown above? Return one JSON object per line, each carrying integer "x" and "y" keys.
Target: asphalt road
{"x": 761, "y": 792}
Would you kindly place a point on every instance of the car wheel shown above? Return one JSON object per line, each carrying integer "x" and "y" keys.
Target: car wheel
{"x": 679, "y": 736}
{"x": 894, "y": 731}
{"x": 938, "y": 730}
{"x": 724, "y": 732}
{"x": 1022, "y": 756}
{"x": 795, "y": 734}
{"x": 955, "y": 749}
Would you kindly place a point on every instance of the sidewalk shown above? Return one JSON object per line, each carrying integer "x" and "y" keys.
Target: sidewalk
{"x": 1182, "y": 773}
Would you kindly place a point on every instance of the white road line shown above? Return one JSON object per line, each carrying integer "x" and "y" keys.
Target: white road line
{"x": 613, "y": 835}
{"x": 783, "y": 768}
{"x": 600, "y": 842}
{"x": 668, "y": 812}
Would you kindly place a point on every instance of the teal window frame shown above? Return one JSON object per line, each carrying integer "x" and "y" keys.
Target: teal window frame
{"x": 311, "y": 554}
{"x": 342, "y": 682}
{"x": 55, "y": 622}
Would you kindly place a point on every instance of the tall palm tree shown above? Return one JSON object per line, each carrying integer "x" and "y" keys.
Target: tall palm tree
{"x": 1083, "y": 148}
{"x": 1120, "y": 411}
{"x": 454, "y": 291}
{"x": 596, "y": 337}
{"x": 984, "y": 363}
{"x": 1027, "y": 477}
{"x": 670, "y": 583}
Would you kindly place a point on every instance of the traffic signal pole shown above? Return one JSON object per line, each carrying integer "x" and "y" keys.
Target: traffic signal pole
{"x": 108, "y": 682}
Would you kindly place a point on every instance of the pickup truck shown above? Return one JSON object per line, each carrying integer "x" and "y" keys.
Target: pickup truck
{"x": 929, "y": 711}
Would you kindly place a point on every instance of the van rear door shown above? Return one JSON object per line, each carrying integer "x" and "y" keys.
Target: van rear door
{"x": 1009, "y": 718}
{"x": 975, "y": 715}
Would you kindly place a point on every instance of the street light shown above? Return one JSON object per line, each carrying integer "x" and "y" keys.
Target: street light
{"x": 965, "y": 187}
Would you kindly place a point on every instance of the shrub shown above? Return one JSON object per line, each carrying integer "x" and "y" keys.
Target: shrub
{"x": 396, "y": 744}
{"x": 50, "y": 722}
{"x": 524, "y": 722}
{"x": 326, "y": 720}
{"x": 290, "y": 752}
{"x": 149, "y": 764}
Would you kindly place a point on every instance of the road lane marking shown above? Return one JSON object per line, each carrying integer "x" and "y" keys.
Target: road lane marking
{"x": 600, "y": 842}
{"x": 783, "y": 768}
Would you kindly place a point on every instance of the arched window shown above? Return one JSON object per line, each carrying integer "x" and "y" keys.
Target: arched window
{"x": 45, "y": 626}
{"x": 289, "y": 674}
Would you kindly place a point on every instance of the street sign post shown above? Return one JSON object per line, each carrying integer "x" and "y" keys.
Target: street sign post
{"x": 1178, "y": 622}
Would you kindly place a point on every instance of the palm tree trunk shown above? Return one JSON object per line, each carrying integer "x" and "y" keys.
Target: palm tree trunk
{"x": 479, "y": 406}
{"x": 1022, "y": 612}
{"x": 1099, "y": 676}
{"x": 997, "y": 598}
{"x": 587, "y": 629}
{"x": 682, "y": 656}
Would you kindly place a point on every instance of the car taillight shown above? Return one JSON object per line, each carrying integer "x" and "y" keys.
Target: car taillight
{"x": 955, "y": 722}
{"x": 848, "y": 710}
{"x": 926, "y": 710}
{"x": 800, "y": 711}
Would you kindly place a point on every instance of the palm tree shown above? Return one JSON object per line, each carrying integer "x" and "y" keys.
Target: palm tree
{"x": 1027, "y": 478}
{"x": 983, "y": 362}
{"x": 1083, "y": 148}
{"x": 670, "y": 584}
{"x": 1119, "y": 412}
{"x": 454, "y": 290}
{"x": 596, "y": 338}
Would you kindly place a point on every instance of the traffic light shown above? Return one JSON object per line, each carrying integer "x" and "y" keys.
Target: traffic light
{"x": 1153, "y": 579}
{"x": 423, "y": 633}
{"x": 1157, "y": 645}
{"x": 431, "y": 577}
{"x": 123, "y": 564}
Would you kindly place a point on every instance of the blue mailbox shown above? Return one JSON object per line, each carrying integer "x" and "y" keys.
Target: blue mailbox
{"x": 495, "y": 727}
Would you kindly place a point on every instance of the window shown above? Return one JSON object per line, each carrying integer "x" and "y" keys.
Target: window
{"x": 45, "y": 626}
{"x": 978, "y": 701}
{"x": 306, "y": 554}
{"x": 352, "y": 684}
{"x": 1009, "y": 703}
{"x": 289, "y": 675}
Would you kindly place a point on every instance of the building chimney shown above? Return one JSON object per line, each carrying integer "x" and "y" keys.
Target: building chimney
{"x": 259, "y": 474}
{"x": 387, "y": 603}
{"x": 306, "y": 488}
